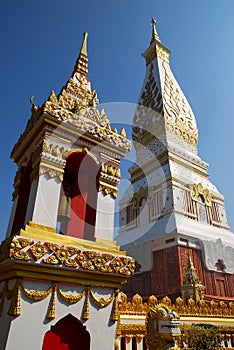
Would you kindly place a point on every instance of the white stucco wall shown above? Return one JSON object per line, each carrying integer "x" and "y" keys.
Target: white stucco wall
{"x": 27, "y": 330}
{"x": 43, "y": 201}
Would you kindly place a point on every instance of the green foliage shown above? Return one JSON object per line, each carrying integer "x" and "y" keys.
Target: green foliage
{"x": 201, "y": 336}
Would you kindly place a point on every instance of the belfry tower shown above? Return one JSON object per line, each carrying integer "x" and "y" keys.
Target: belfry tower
{"x": 172, "y": 212}
{"x": 60, "y": 270}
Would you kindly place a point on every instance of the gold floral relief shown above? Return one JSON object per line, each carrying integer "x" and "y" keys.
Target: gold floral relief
{"x": 197, "y": 189}
{"x": 146, "y": 193}
{"x": 35, "y": 295}
{"x": 101, "y": 302}
{"x": 70, "y": 298}
{"x": 108, "y": 189}
{"x": 16, "y": 248}
{"x": 47, "y": 253}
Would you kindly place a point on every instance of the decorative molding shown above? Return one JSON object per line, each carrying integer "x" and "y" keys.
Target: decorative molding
{"x": 35, "y": 295}
{"x": 110, "y": 172}
{"x": 47, "y": 253}
{"x": 55, "y": 292}
{"x": 134, "y": 307}
{"x": 48, "y": 159}
{"x": 108, "y": 189}
{"x": 109, "y": 179}
{"x": 50, "y": 170}
{"x": 101, "y": 302}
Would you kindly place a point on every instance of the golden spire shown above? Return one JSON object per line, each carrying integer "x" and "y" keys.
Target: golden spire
{"x": 84, "y": 44}
{"x": 190, "y": 262}
{"x": 154, "y": 31}
{"x": 82, "y": 61}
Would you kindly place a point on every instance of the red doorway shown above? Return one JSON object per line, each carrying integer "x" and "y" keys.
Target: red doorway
{"x": 67, "y": 334}
{"x": 80, "y": 187}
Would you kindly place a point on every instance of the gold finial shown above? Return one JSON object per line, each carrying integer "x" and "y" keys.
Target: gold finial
{"x": 84, "y": 44}
{"x": 154, "y": 31}
{"x": 190, "y": 262}
{"x": 82, "y": 61}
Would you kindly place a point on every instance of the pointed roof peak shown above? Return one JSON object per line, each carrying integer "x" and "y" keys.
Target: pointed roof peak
{"x": 155, "y": 35}
{"x": 84, "y": 44}
{"x": 81, "y": 65}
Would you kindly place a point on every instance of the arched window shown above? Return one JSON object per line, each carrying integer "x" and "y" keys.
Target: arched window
{"x": 78, "y": 199}
{"x": 67, "y": 334}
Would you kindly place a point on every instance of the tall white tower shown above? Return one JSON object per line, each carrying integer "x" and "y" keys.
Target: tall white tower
{"x": 171, "y": 206}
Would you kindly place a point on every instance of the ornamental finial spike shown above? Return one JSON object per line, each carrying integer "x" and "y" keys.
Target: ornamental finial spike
{"x": 84, "y": 44}
{"x": 82, "y": 61}
{"x": 190, "y": 262}
{"x": 154, "y": 31}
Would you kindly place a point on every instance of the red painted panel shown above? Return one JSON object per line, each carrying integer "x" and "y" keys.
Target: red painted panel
{"x": 75, "y": 226}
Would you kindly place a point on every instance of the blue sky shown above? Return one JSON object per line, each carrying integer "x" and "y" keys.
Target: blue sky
{"x": 40, "y": 41}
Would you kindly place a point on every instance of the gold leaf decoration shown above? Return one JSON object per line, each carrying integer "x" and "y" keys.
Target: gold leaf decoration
{"x": 115, "y": 311}
{"x": 70, "y": 298}
{"x": 16, "y": 246}
{"x": 47, "y": 253}
{"x": 38, "y": 250}
{"x": 35, "y": 295}
{"x": 15, "y": 304}
{"x": 144, "y": 192}
{"x": 197, "y": 189}
{"x": 85, "y": 311}
{"x": 101, "y": 302}
{"x": 51, "y": 309}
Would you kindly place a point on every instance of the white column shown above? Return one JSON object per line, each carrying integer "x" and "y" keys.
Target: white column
{"x": 140, "y": 344}
{"x": 43, "y": 201}
{"x": 129, "y": 344}
{"x": 104, "y": 227}
{"x": 12, "y": 216}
